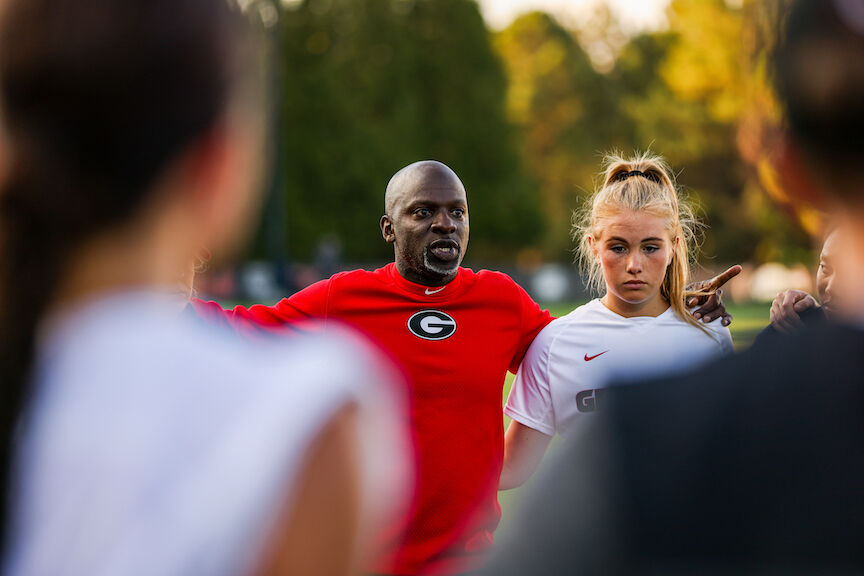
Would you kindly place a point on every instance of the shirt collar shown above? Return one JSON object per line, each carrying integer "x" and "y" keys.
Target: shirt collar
{"x": 431, "y": 293}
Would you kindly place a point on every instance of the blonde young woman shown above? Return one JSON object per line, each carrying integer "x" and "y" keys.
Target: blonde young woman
{"x": 635, "y": 240}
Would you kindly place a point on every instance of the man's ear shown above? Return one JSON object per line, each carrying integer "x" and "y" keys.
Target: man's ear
{"x": 387, "y": 229}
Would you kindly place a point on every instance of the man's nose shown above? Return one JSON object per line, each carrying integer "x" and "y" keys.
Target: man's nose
{"x": 443, "y": 222}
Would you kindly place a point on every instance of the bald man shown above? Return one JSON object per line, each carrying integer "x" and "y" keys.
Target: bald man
{"x": 456, "y": 333}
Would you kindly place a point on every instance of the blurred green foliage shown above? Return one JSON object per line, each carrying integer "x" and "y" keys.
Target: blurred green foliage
{"x": 372, "y": 85}
{"x": 523, "y": 115}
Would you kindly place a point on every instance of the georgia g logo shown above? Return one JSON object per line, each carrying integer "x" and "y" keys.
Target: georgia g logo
{"x": 432, "y": 325}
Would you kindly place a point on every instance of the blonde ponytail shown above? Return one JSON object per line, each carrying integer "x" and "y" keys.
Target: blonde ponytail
{"x": 642, "y": 183}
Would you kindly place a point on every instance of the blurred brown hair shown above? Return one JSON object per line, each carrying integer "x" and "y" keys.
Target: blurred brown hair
{"x": 98, "y": 97}
{"x": 819, "y": 77}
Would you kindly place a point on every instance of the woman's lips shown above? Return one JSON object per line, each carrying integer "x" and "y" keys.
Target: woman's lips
{"x": 635, "y": 284}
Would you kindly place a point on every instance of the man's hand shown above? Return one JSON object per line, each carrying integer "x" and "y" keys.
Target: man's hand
{"x": 786, "y": 308}
{"x": 710, "y": 302}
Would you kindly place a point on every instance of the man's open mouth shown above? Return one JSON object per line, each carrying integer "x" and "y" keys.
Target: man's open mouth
{"x": 446, "y": 250}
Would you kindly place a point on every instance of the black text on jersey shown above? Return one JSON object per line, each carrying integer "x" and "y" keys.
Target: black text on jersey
{"x": 588, "y": 400}
{"x": 432, "y": 325}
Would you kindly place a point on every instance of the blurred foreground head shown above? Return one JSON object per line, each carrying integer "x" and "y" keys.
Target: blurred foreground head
{"x": 103, "y": 99}
{"x": 819, "y": 74}
{"x": 820, "y": 81}
{"x": 128, "y": 145}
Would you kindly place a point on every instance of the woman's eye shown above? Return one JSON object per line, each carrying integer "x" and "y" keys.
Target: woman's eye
{"x": 651, "y": 249}
{"x": 618, "y": 249}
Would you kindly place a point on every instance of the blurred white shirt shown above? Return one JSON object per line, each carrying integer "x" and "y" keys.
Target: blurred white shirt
{"x": 157, "y": 445}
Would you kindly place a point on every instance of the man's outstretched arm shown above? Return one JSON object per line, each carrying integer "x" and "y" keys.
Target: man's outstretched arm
{"x": 707, "y": 295}
{"x": 309, "y": 303}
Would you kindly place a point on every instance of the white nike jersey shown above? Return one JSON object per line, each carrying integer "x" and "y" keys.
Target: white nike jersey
{"x": 562, "y": 376}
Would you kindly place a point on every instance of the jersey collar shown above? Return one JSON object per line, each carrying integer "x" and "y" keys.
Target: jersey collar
{"x": 430, "y": 293}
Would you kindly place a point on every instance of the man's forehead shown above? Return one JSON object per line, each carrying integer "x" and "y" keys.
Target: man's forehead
{"x": 430, "y": 189}
{"x": 434, "y": 191}
{"x": 429, "y": 180}
{"x": 830, "y": 246}
{"x": 431, "y": 177}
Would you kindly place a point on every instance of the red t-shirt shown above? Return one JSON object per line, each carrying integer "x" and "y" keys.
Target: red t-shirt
{"x": 455, "y": 344}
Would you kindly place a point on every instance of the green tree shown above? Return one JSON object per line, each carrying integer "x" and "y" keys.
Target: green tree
{"x": 686, "y": 92}
{"x": 371, "y": 85}
{"x": 565, "y": 113}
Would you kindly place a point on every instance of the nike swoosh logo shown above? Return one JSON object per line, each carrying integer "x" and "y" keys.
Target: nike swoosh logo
{"x": 589, "y": 358}
{"x": 428, "y": 292}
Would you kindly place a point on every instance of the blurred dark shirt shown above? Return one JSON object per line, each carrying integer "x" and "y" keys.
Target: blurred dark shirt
{"x": 810, "y": 317}
{"x": 753, "y": 464}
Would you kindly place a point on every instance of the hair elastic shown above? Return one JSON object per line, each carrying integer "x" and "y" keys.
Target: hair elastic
{"x": 625, "y": 175}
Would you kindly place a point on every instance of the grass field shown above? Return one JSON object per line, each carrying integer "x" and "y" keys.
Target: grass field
{"x": 748, "y": 320}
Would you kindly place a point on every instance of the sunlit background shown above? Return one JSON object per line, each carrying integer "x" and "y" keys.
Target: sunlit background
{"x": 632, "y": 16}
{"x": 521, "y": 98}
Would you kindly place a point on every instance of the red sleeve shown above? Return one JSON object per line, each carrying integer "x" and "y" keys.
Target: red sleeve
{"x": 309, "y": 303}
{"x": 533, "y": 320}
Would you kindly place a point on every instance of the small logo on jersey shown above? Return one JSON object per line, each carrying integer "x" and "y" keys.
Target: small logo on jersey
{"x": 589, "y": 358}
{"x": 587, "y": 400}
{"x": 430, "y": 292}
{"x": 432, "y": 325}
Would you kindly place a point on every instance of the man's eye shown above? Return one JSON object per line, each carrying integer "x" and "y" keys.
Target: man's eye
{"x": 422, "y": 212}
{"x": 457, "y": 212}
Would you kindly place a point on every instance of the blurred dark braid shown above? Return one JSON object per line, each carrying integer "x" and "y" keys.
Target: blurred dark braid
{"x": 98, "y": 96}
